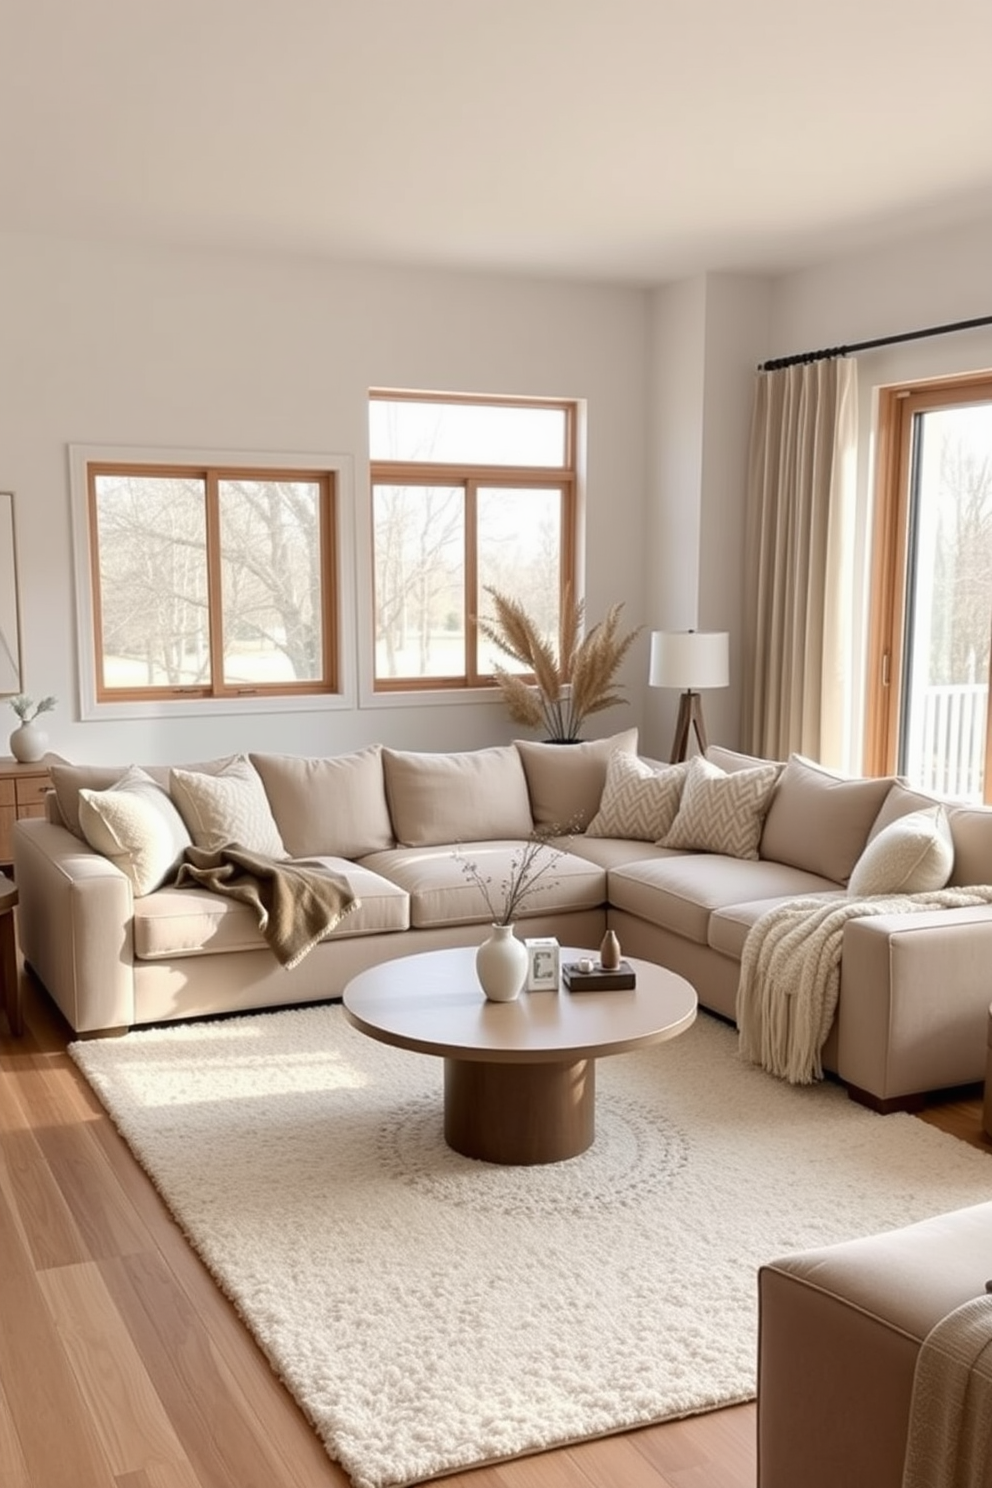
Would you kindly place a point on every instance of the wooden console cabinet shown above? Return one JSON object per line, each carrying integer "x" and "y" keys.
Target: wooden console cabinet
{"x": 22, "y": 793}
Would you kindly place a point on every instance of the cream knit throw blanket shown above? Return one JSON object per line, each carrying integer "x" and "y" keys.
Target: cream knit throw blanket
{"x": 950, "y": 1418}
{"x": 790, "y": 973}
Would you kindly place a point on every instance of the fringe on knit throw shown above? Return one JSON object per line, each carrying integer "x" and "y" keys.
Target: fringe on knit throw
{"x": 790, "y": 973}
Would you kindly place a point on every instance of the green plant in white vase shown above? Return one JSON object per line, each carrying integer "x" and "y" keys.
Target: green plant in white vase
{"x": 29, "y": 741}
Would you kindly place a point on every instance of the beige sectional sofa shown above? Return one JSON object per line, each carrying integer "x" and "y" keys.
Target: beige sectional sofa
{"x": 680, "y": 862}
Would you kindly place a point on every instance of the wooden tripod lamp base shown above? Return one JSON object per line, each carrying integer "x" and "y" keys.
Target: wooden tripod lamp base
{"x": 690, "y": 660}
{"x": 690, "y": 717}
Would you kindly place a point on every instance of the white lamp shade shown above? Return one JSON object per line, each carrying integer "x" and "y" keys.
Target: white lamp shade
{"x": 690, "y": 659}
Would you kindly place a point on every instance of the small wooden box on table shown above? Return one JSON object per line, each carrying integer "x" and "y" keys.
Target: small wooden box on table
{"x": 22, "y": 793}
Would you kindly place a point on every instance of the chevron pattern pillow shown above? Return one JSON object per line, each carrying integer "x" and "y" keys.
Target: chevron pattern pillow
{"x": 722, "y": 813}
{"x": 638, "y": 802}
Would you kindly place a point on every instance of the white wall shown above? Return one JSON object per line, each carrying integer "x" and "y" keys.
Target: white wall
{"x": 707, "y": 336}
{"x": 126, "y": 346}
{"x": 933, "y": 280}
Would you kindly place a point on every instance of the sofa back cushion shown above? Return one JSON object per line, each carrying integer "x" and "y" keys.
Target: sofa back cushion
{"x": 68, "y": 780}
{"x": 566, "y": 781}
{"x": 328, "y": 807}
{"x": 819, "y": 821}
{"x": 731, "y": 760}
{"x": 971, "y": 828}
{"x": 720, "y": 812}
{"x": 473, "y": 796}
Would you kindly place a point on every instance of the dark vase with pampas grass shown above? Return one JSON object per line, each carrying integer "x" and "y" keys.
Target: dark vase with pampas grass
{"x": 571, "y": 681}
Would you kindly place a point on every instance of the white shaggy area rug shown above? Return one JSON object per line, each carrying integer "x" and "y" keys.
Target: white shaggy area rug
{"x": 430, "y": 1312}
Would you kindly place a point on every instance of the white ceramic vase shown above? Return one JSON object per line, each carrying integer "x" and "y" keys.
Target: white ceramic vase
{"x": 28, "y": 743}
{"x": 501, "y": 964}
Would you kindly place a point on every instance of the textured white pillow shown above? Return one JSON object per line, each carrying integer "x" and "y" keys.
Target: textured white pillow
{"x": 136, "y": 826}
{"x": 229, "y": 807}
{"x": 638, "y": 801}
{"x": 722, "y": 813}
{"x": 912, "y": 855}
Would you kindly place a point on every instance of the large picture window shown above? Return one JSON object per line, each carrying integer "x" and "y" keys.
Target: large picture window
{"x": 211, "y": 582}
{"x": 931, "y": 611}
{"x": 467, "y": 493}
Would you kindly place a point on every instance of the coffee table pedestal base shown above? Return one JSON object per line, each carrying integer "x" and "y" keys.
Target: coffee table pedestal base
{"x": 519, "y": 1114}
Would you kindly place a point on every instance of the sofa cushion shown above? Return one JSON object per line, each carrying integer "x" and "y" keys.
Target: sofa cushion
{"x": 912, "y": 855}
{"x": 820, "y": 821}
{"x": 67, "y": 781}
{"x": 442, "y": 893}
{"x": 638, "y": 802}
{"x": 679, "y": 891}
{"x": 566, "y": 781}
{"x": 721, "y": 813}
{"x": 136, "y": 826}
{"x": 971, "y": 829}
{"x": 900, "y": 801}
{"x": 729, "y": 926}
{"x": 448, "y": 798}
{"x": 226, "y": 807}
{"x": 730, "y": 760}
{"x": 333, "y": 806}
{"x": 192, "y": 922}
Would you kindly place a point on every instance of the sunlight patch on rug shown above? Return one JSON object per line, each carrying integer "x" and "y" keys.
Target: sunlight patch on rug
{"x": 430, "y": 1312}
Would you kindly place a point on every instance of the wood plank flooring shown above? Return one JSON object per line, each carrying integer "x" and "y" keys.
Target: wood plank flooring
{"x": 123, "y": 1366}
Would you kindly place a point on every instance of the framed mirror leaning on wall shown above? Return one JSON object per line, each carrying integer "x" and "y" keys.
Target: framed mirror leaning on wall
{"x": 10, "y": 630}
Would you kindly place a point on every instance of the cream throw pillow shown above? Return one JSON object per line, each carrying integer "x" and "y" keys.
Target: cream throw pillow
{"x": 226, "y": 808}
{"x": 913, "y": 855}
{"x": 722, "y": 813}
{"x": 136, "y": 826}
{"x": 638, "y": 802}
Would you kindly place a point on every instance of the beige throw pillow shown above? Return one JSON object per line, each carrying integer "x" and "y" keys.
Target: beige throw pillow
{"x": 476, "y": 795}
{"x": 566, "y": 781}
{"x": 722, "y": 813}
{"x": 638, "y": 802}
{"x": 328, "y": 807}
{"x": 913, "y": 855}
{"x": 136, "y": 826}
{"x": 227, "y": 808}
{"x": 819, "y": 821}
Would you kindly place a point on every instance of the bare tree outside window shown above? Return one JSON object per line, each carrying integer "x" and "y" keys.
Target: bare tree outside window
{"x": 466, "y": 493}
{"x": 212, "y": 581}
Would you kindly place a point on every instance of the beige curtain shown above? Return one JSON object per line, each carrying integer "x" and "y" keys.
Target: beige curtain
{"x": 798, "y": 594}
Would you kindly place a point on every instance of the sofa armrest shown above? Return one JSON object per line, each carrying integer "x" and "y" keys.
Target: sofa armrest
{"x": 74, "y": 920}
{"x": 914, "y": 1001}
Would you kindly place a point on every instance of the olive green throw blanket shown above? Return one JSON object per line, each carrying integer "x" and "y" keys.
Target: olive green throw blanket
{"x": 296, "y": 903}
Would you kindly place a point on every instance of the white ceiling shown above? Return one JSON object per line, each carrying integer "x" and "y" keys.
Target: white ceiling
{"x": 627, "y": 140}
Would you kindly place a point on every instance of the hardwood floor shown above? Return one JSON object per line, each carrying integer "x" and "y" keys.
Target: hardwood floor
{"x": 123, "y": 1366}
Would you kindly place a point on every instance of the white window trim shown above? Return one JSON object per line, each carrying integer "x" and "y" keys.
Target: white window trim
{"x": 342, "y": 468}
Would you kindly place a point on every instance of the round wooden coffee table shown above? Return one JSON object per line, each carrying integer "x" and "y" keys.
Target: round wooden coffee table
{"x": 519, "y": 1077}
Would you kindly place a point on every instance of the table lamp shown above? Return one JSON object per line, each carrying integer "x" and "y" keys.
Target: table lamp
{"x": 691, "y": 660}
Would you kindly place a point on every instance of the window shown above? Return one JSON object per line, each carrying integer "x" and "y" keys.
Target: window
{"x": 466, "y": 493}
{"x": 211, "y": 582}
{"x": 931, "y": 614}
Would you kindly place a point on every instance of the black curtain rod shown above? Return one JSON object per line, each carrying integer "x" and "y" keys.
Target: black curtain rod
{"x": 803, "y": 357}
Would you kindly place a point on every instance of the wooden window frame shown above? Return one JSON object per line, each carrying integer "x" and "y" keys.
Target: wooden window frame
{"x": 469, "y": 478}
{"x": 212, "y": 476}
{"x": 897, "y": 407}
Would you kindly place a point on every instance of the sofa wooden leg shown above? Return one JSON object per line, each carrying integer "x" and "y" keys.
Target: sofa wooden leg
{"x": 885, "y": 1107}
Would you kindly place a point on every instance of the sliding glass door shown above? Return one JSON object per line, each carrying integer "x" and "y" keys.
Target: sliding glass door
{"x": 932, "y": 590}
